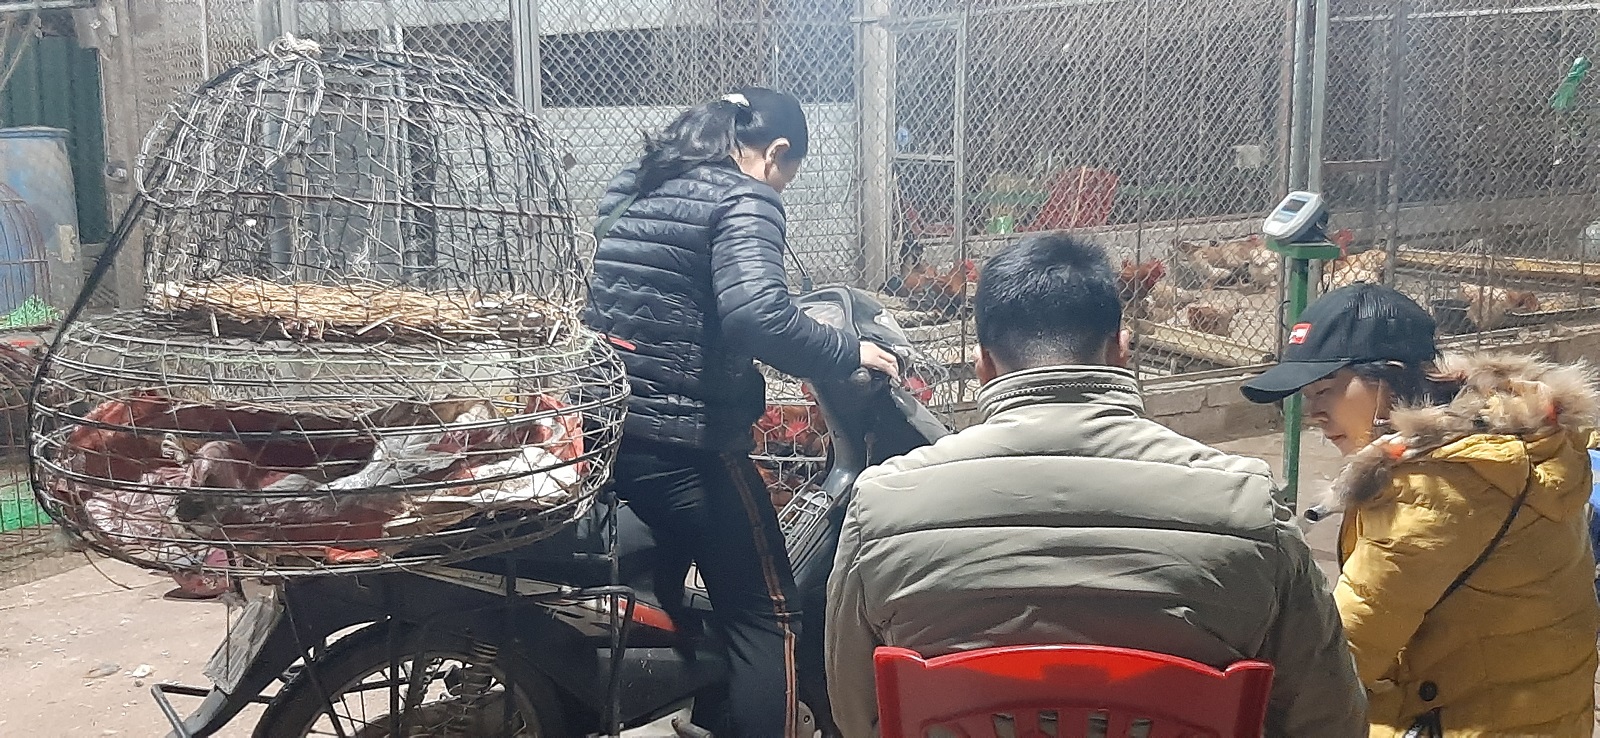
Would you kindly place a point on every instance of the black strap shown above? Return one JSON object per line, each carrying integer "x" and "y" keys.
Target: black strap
{"x": 611, "y": 219}
{"x": 1427, "y": 725}
{"x": 1505, "y": 527}
{"x": 600, "y": 231}
{"x": 1431, "y": 723}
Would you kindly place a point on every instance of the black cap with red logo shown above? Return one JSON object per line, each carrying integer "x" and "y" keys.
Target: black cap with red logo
{"x": 1350, "y": 325}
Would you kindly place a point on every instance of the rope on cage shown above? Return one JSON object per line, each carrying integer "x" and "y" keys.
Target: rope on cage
{"x": 88, "y": 556}
{"x": 288, "y": 45}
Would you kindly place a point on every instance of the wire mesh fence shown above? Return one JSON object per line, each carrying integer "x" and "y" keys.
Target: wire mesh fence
{"x": 1152, "y": 126}
{"x": 1464, "y": 157}
{"x": 945, "y": 129}
{"x": 941, "y": 129}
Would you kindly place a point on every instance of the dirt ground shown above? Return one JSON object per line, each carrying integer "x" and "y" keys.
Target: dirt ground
{"x": 79, "y": 651}
{"x": 73, "y": 648}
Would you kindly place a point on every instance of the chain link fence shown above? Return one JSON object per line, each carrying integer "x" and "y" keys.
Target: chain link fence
{"x": 1454, "y": 142}
{"x": 1466, "y": 168}
{"x": 941, "y": 129}
{"x": 1154, "y": 127}
{"x": 944, "y": 129}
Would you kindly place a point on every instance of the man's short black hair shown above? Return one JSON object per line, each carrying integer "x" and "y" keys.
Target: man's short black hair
{"x": 1047, "y": 300}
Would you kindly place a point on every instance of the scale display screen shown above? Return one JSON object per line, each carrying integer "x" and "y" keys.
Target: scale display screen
{"x": 1287, "y": 212}
{"x": 1294, "y": 216}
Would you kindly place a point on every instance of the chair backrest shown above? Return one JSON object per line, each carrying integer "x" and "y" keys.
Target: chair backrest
{"x": 1066, "y": 690}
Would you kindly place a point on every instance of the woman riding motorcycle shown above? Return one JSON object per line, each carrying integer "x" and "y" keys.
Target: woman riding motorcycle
{"x": 689, "y": 285}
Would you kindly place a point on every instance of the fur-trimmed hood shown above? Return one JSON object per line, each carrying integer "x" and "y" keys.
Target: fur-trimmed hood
{"x": 1505, "y": 399}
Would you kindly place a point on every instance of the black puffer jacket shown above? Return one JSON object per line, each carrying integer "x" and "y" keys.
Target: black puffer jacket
{"x": 689, "y": 285}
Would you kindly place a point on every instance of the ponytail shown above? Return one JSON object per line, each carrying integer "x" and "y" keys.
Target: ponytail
{"x": 709, "y": 133}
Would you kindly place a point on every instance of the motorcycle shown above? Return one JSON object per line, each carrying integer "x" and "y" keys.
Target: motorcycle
{"x": 563, "y": 637}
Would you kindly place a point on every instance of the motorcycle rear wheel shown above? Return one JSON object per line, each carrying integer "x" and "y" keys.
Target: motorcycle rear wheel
{"x": 468, "y": 677}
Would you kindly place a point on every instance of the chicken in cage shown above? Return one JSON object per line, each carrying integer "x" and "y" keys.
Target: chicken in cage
{"x": 791, "y": 442}
{"x": 360, "y": 345}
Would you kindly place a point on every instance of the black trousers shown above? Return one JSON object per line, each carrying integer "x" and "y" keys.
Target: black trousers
{"x": 713, "y": 509}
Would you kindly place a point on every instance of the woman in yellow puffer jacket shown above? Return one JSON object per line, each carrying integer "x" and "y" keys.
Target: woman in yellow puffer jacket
{"x": 1467, "y": 582}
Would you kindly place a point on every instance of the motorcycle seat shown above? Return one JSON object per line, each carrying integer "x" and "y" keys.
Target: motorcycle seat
{"x": 578, "y": 554}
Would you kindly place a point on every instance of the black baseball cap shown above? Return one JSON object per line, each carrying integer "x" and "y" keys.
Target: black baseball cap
{"x": 1350, "y": 325}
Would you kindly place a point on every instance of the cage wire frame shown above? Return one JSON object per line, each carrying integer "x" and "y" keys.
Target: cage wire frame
{"x": 791, "y": 440}
{"x": 209, "y": 463}
{"x": 257, "y": 434}
{"x": 29, "y": 547}
{"x": 24, "y": 272}
{"x": 339, "y": 166}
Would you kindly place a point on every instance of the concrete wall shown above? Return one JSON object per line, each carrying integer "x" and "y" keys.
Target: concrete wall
{"x": 1210, "y": 408}
{"x": 112, "y": 28}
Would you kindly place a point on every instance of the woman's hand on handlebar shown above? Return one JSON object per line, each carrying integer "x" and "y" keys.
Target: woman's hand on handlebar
{"x": 877, "y": 358}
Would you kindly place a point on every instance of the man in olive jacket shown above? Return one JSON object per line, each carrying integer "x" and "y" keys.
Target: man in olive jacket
{"x": 1067, "y": 517}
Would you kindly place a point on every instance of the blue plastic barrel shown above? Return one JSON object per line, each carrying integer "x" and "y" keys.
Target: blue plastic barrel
{"x": 35, "y": 166}
{"x": 1594, "y": 512}
{"x": 23, "y": 262}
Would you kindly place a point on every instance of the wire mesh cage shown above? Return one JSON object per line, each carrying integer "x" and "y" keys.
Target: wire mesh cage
{"x": 794, "y": 448}
{"x": 360, "y": 346}
{"x": 165, "y": 446}
{"x": 791, "y": 441}
{"x": 28, "y": 545}
{"x": 314, "y": 190}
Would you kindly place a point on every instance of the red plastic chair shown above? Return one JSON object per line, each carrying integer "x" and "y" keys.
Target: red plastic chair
{"x": 1080, "y": 690}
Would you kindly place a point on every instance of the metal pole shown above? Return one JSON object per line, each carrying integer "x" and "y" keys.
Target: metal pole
{"x": 1394, "y": 111}
{"x": 1293, "y": 413}
{"x": 205, "y": 39}
{"x": 1305, "y": 172}
{"x": 1298, "y": 92}
{"x": 959, "y": 181}
{"x": 269, "y": 22}
{"x": 527, "y": 74}
{"x": 1317, "y": 108}
{"x": 875, "y": 111}
{"x": 288, "y": 17}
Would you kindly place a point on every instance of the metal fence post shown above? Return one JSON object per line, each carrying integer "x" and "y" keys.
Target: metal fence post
{"x": 525, "y": 53}
{"x": 875, "y": 111}
{"x": 1311, "y": 89}
{"x": 1298, "y": 258}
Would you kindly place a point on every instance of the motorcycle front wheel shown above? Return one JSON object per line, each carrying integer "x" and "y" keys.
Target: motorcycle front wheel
{"x": 458, "y": 687}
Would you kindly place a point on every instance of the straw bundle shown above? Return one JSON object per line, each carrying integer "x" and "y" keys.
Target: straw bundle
{"x": 362, "y": 311}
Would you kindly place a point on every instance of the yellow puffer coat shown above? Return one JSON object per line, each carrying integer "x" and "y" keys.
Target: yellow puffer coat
{"x": 1512, "y": 650}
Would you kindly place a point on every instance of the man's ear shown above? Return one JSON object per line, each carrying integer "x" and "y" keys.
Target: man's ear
{"x": 1119, "y": 350}
{"x": 985, "y": 366}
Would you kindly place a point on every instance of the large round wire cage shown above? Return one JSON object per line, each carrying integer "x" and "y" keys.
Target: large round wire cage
{"x": 373, "y": 180}
{"x": 360, "y": 344}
